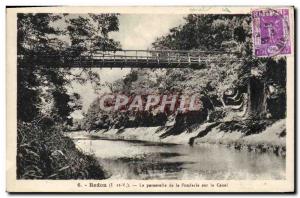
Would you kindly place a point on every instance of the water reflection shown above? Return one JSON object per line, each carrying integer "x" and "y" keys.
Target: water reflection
{"x": 144, "y": 160}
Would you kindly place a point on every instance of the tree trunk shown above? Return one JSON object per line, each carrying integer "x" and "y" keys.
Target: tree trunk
{"x": 257, "y": 98}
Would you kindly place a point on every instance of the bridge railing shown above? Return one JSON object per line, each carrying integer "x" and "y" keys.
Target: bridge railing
{"x": 128, "y": 58}
{"x": 163, "y": 56}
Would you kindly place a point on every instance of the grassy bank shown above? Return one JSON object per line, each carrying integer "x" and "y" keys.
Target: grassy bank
{"x": 255, "y": 137}
{"x": 44, "y": 153}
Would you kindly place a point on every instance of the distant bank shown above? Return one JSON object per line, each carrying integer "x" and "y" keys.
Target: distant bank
{"x": 272, "y": 139}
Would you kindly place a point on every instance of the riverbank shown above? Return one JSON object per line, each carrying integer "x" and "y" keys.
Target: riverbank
{"x": 45, "y": 153}
{"x": 271, "y": 139}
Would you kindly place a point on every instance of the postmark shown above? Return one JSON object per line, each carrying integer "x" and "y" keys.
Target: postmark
{"x": 271, "y": 34}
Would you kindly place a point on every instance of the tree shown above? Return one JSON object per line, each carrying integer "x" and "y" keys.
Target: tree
{"x": 234, "y": 71}
{"x": 42, "y": 87}
{"x": 228, "y": 86}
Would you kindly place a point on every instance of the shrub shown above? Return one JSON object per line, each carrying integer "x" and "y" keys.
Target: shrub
{"x": 47, "y": 154}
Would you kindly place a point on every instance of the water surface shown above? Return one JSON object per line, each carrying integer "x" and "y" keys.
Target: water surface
{"x": 144, "y": 160}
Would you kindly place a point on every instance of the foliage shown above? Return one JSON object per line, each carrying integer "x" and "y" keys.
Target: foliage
{"x": 227, "y": 39}
{"x": 210, "y": 33}
{"x": 44, "y": 103}
{"x": 89, "y": 34}
{"x": 38, "y": 36}
{"x": 44, "y": 153}
{"x": 247, "y": 127}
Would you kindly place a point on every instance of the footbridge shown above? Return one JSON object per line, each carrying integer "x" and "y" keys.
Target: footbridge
{"x": 133, "y": 59}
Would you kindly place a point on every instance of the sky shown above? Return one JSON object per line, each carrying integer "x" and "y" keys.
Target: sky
{"x": 135, "y": 32}
{"x": 139, "y": 31}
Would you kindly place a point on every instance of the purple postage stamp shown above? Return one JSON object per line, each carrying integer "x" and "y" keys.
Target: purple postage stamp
{"x": 270, "y": 29}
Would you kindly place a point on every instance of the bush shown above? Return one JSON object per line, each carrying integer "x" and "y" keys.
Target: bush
{"x": 217, "y": 115}
{"x": 247, "y": 127}
{"x": 47, "y": 154}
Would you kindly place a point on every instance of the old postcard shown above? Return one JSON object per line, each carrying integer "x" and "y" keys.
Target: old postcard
{"x": 150, "y": 99}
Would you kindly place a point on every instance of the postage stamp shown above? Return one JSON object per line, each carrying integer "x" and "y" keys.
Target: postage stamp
{"x": 270, "y": 29}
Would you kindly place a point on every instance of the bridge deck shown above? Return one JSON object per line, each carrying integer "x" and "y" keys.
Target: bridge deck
{"x": 131, "y": 58}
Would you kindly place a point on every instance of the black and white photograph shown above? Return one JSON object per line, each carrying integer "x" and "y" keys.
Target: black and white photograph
{"x": 204, "y": 94}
